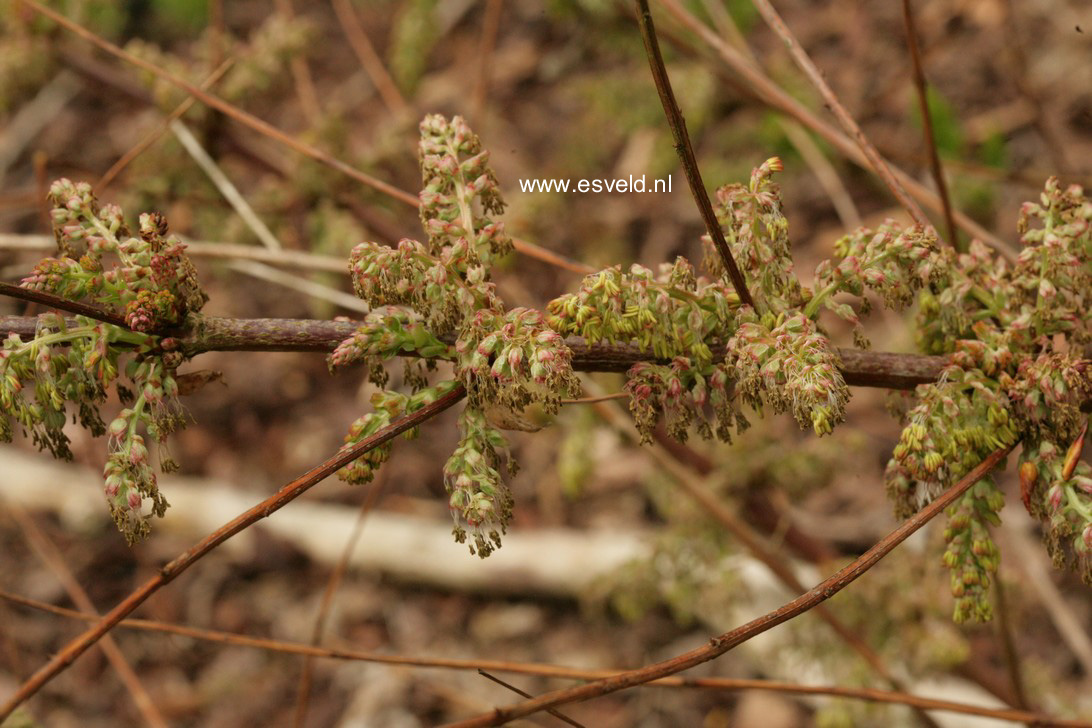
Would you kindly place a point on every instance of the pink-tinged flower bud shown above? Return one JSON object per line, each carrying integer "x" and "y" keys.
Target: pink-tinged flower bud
{"x": 515, "y": 358}
{"x": 545, "y": 355}
{"x": 1047, "y": 289}
{"x": 1054, "y": 497}
{"x": 134, "y": 500}
{"x": 674, "y": 388}
{"x": 118, "y": 427}
{"x": 113, "y": 486}
{"x": 642, "y": 391}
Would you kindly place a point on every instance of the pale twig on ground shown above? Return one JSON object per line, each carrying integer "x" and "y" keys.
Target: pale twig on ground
{"x": 224, "y": 185}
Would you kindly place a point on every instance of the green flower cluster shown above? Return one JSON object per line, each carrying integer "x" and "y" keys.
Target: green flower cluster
{"x": 155, "y": 284}
{"x": 1015, "y": 335}
{"x": 480, "y": 500}
{"x": 670, "y": 314}
{"x": 786, "y": 362}
{"x": 387, "y": 405}
{"x": 1058, "y": 490}
{"x": 506, "y": 359}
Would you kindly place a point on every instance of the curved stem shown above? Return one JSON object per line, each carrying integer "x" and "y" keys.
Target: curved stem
{"x": 168, "y": 573}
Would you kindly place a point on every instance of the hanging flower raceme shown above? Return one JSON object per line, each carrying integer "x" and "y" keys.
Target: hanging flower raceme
{"x": 480, "y": 502}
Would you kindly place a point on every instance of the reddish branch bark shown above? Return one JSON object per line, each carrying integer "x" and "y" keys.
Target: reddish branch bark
{"x": 275, "y": 502}
{"x": 723, "y": 643}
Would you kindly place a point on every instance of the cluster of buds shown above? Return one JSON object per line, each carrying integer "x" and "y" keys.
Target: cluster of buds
{"x": 480, "y": 502}
{"x": 386, "y": 406}
{"x": 758, "y": 235}
{"x": 1058, "y": 490}
{"x": 457, "y": 176}
{"x": 441, "y": 289}
{"x": 156, "y": 286}
{"x": 1047, "y": 393}
{"x": 683, "y": 394}
{"x": 891, "y": 261}
{"x": 153, "y": 281}
{"x": 505, "y": 359}
{"x": 513, "y": 359}
{"x": 670, "y": 314}
{"x": 386, "y": 333}
{"x": 785, "y": 361}
{"x": 972, "y": 556}
{"x": 955, "y": 423}
{"x": 128, "y": 475}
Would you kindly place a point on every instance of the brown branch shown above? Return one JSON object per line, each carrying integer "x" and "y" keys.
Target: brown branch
{"x": 48, "y": 299}
{"x": 545, "y": 670}
{"x": 723, "y": 643}
{"x": 525, "y": 694}
{"x": 844, "y": 117}
{"x": 686, "y": 152}
{"x": 168, "y": 573}
{"x": 859, "y": 368}
{"x": 676, "y": 460}
{"x": 927, "y": 125}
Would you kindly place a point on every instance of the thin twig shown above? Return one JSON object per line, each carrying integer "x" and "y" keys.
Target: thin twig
{"x": 53, "y": 559}
{"x": 927, "y": 125}
{"x": 686, "y": 152}
{"x": 544, "y": 670}
{"x": 526, "y": 248}
{"x": 774, "y": 96}
{"x": 1008, "y": 644}
{"x": 168, "y": 573}
{"x": 224, "y": 185}
{"x": 48, "y": 299}
{"x": 723, "y": 643}
{"x": 755, "y": 545}
{"x": 204, "y": 249}
{"x": 524, "y": 694}
{"x": 150, "y": 138}
{"x": 486, "y": 45}
{"x": 243, "y": 117}
{"x": 847, "y": 121}
{"x": 369, "y": 59}
{"x": 809, "y": 150}
{"x": 332, "y": 584}
{"x": 307, "y": 287}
